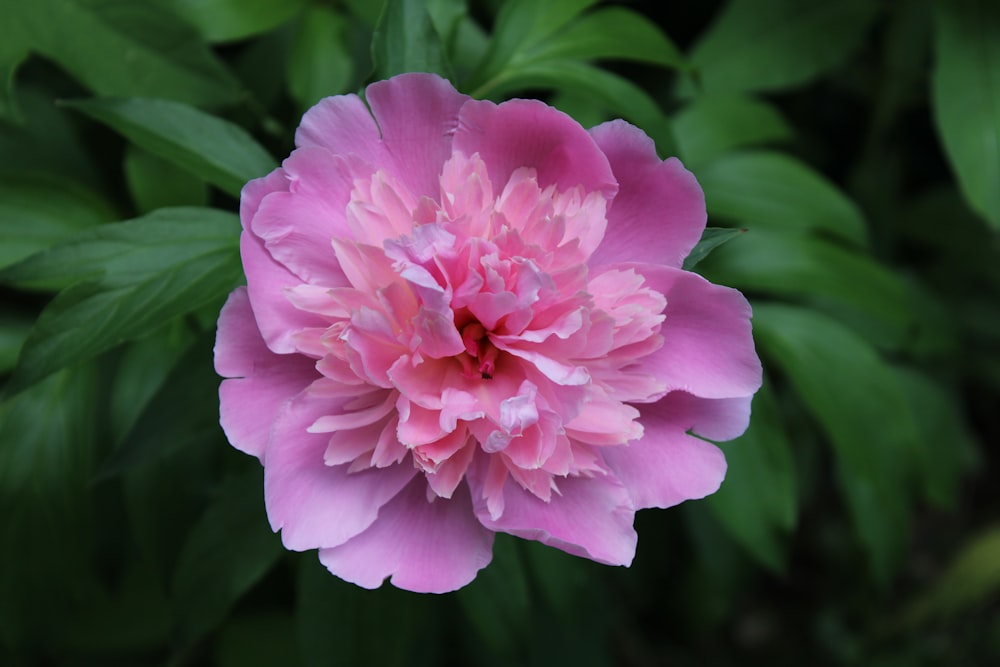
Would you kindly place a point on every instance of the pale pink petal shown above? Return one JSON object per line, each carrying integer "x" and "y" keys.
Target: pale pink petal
{"x": 528, "y": 133}
{"x": 588, "y": 517}
{"x": 255, "y": 191}
{"x": 708, "y": 346}
{"x": 279, "y": 320}
{"x": 426, "y": 547}
{"x": 344, "y": 126}
{"x": 417, "y": 114}
{"x": 659, "y": 212}
{"x": 667, "y": 466}
{"x": 262, "y": 381}
{"x": 313, "y": 504}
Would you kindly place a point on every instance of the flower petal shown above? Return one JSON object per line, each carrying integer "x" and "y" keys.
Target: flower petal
{"x": 529, "y": 133}
{"x": 261, "y": 381}
{"x": 667, "y": 466}
{"x": 708, "y": 346}
{"x": 589, "y": 517}
{"x": 313, "y": 504}
{"x": 659, "y": 212}
{"x": 426, "y": 547}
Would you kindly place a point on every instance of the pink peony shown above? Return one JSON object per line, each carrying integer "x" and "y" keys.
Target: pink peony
{"x": 463, "y": 318}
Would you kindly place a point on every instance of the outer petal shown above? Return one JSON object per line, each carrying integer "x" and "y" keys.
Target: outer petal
{"x": 589, "y": 517}
{"x": 528, "y": 133}
{"x": 315, "y": 505}
{"x": 267, "y": 280}
{"x": 659, "y": 213}
{"x": 297, "y": 226}
{"x": 708, "y": 346}
{"x": 344, "y": 126}
{"x": 418, "y": 115}
{"x": 427, "y": 547}
{"x": 667, "y": 466}
{"x": 263, "y": 381}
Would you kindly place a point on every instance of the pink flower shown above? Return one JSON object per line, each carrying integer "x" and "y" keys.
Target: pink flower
{"x": 462, "y": 318}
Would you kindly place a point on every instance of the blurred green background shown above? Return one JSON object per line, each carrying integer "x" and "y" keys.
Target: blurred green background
{"x": 858, "y": 144}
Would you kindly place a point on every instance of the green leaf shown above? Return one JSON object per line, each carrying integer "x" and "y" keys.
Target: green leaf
{"x": 182, "y": 410}
{"x": 612, "y": 33}
{"x": 966, "y": 98}
{"x": 157, "y": 183}
{"x": 867, "y": 295}
{"x": 617, "y": 93}
{"x": 136, "y": 275}
{"x": 762, "y": 189}
{"x": 229, "y": 20}
{"x": 711, "y": 239}
{"x": 498, "y": 602}
{"x": 47, "y": 440}
{"x": 757, "y": 503}
{"x": 775, "y": 44}
{"x": 712, "y": 125}
{"x": 332, "y": 616}
{"x": 124, "y": 49}
{"x": 521, "y": 25}
{"x": 319, "y": 61}
{"x": 857, "y": 400}
{"x": 228, "y": 551}
{"x": 220, "y": 152}
{"x": 38, "y": 210}
{"x": 971, "y": 580}
{"x": 405, "y": 40}
{"x": 14, "y": 328}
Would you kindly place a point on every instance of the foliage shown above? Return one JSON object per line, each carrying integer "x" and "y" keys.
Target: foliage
{"x": 852, "y": 195}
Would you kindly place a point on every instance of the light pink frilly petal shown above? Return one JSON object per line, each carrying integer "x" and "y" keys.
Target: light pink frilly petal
{"x": 586, "y": 517}
{"x": 529, "y": 133}
{"x": 417, "y": 115}
{"x": 708, "y": 345}
{"x": 261, "y": 381}
{"x": 667, "y": 466}
{"x": 426, "y": 547}
{"x": 297, "y": 226}
{"x": 659, "y": 212}
{"x": 313, "y": 504}
{"x": 279, "y": 320}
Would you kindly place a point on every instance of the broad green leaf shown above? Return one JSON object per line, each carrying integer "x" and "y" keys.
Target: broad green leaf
{"x": 143, "y": 367}
{"x": 613, "y": 33}
{"x": 38, "y": 210}
{"x": 14, "y": 328}
{"x": 332, "y": 615}
{"x": 498, "y": 602}
{"x": 966, "y": 98}
{"x": 521, "y": 25}
{"x": 818, "y": 271}
{"x": 762, "y": 189}
{"x": 857, "y": 400}
{"x": 448, "y": 16}
{"x": 182, "y": 411}
{"x": 229, "y": 20}
{"x": 757, "y": 503}
{"x": 405, "y": 40}
{"x": 776, "y": 44}
{"x": 712, "y": 125}
{"x": 228, "y": 551}
{"x": 136, "y": 275}
{"x": 157, "y": 183}
{"x": 258, "y": 639}
{"x": 971, "y": 580}
{"x": 617, "y": 93}
{"x": 14, "y": 50}
{"x": 47, "y": 440}
{"x": 946, "y": 447}
{"x": 124, "y": 49}
{"x": 222, "y": 153}
{"x": 711, "y": 239}
{"x": 319, "y": 61}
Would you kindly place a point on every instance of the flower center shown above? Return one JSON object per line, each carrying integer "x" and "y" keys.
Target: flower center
{"x": 480, "y": 355}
